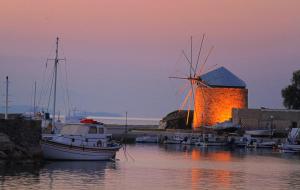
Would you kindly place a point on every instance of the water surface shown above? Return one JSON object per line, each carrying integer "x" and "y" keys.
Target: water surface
{"x": 164, "y": 167}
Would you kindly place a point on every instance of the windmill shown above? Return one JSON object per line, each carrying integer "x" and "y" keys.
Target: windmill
{"x": 194, "y": 77}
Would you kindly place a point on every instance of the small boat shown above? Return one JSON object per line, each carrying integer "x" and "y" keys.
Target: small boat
{"x": 267, "y": 144}
{"x": 190, "y": 140}
{"x": 292, "y": 143}
{"x": 260, "y": 143}
{"x": 173, "y": 140}
{"x": 212, "y": 140}
{"x": 211, "y": 143}
{"x": 259, "y": 132}
{"x": 248, "y": 141}
{"x": 290, "y": 148}
{"x": 147, "y": 139}
{"x": 80, "y": 141}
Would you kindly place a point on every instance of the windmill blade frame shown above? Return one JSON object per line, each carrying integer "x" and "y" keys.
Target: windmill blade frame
{"x": 198, "y": 58}
{"x": 185, "y": 100}
{"x": 195, "y": 79}
{"x": 205, "y": 61}
{"x": 189, "y": 62}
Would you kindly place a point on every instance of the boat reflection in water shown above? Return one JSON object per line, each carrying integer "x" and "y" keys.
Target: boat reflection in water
{"x": 67, "y": 174}
{"x": 168, "y": 167}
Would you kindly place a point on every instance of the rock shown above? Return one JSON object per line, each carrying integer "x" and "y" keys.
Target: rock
{"x": 3, "y": 155}
{"x": 17, "y": 155}
{"x": 177, "y": 120}
{"x": 20, "y": 140}
{"x": 35, "y": 152}
{"x": 5, "y": 143}
{"x": 4, "y": 138}
{"x": 23, "y": 151}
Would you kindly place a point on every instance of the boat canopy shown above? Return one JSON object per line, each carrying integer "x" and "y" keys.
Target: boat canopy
{"x": 73, "y": 129}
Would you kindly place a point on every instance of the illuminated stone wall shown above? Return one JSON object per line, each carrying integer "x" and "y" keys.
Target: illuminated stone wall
{"x": 213, "y": 105}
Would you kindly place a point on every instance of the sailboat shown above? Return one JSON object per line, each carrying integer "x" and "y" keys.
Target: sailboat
{"x": 292, "y": 143}
{"x": 86, "y": 140}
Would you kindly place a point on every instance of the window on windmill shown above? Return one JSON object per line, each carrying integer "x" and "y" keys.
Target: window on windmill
{"x": 93, "y": 130}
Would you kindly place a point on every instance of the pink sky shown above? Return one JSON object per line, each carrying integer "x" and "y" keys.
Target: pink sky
{"x": 124, "y": 51}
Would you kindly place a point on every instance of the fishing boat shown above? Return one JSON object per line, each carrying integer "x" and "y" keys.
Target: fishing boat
{"x": 80, "y": 141}
{"x": 84, "y": 140}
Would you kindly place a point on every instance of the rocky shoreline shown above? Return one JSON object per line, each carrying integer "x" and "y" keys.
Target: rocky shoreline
{"x": 20, "y": 141}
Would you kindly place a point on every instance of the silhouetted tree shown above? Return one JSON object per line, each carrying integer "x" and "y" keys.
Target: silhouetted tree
{"x": 291, "y": 94}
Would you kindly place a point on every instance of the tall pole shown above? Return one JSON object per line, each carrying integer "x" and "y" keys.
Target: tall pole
{"x": 271, "y": 117}
{"x": 55, "y": 79}
{"x": 126, "y": 124}
{"x": 34, "y": 97}
{"x": 6, "y": 99}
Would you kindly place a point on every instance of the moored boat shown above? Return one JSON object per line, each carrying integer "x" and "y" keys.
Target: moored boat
{"x": 259, "y": 132}
{"x": 176, "y": 139}
{"x": 292, "y": 143}
{"x": 80, "y": 141}
{"x": 147, "y": 139}
{"x": 212, "y": 140}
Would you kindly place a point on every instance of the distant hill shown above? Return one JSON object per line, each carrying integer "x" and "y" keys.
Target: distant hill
{"x": 99, "y": 114}
{"x": 25, "y": 108}
{"x": 16, "y": 109}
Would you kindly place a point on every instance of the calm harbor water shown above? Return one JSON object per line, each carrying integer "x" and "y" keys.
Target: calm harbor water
{"x": 163, "y": 167}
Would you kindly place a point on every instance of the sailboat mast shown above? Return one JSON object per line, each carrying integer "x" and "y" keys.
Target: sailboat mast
{"x": 6, "y": 100}
{"x": 55, "y": 80}
{"x": 34, "y": 101}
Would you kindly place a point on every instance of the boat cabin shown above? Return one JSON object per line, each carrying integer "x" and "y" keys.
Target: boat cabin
{"x": 83, "y": 129}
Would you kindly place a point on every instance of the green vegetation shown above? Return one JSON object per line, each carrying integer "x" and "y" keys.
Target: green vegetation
{"x": 291, "y": 94}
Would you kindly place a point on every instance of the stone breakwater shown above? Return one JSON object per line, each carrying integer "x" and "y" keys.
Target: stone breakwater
{"x": 20, "y": 140}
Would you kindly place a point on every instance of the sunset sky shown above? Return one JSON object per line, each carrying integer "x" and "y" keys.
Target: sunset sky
{"x": 121, "y": 53}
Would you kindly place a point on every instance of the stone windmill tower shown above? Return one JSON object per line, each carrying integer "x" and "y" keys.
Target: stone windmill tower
{"x": 212, "y": 94}
{"x": 213, "y": 104}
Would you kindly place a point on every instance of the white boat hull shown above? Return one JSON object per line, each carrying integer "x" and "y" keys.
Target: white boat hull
{"x": 146, "y": 139}
{"x": 259, "y": 132}
{"x": 57, "y": 151}
{"x": 211, "y": 144}
{"x": 172, "y": 142}
{"x": 290, "y": 147}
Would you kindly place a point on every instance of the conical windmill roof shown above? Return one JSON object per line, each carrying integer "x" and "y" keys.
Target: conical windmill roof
{"x": 222, "y": 77}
